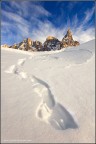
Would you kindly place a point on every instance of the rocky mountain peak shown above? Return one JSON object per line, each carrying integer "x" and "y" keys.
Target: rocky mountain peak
{"x": 29, "y": 41}
{"x": 68, "y": 35}
{"x": 50, "y": 38}
{"x": 51, "y": 43}
{"x": 68, "y": 40}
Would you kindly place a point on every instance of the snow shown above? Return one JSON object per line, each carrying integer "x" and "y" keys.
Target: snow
{"x": 48, "y": 96}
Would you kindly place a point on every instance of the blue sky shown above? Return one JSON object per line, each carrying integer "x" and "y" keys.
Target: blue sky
{"x": 37, "y": 20}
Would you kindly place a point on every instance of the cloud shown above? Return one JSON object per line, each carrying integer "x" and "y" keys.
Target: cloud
{"x": 15, "y": 23}
{"x": 21, "y": 18}
{"x": 79, "y": 32}
{"x": 84, "y": 36}
{"x": 14, "y": 17}
{"x": 88, "y": 15}
{"x": 71, "y": 5}
{"x": 48, "y": 29}
{"x": 26, "y": 21}
{"x": 25, "y": 8}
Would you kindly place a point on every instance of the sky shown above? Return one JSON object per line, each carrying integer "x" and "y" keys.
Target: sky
{"x": 38, "y": 20}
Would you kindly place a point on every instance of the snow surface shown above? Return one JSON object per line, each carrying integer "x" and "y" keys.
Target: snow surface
{"x": 48, "y": 96}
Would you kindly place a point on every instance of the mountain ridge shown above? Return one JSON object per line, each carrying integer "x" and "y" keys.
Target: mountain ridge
{"x": 51, "y": 43}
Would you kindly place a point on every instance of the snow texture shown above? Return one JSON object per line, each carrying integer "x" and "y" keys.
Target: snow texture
{"x": 48, "y": 96}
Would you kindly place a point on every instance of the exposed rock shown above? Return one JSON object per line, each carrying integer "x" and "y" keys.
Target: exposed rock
{"x": 28, "y": 45}
{"x": 76, "y": 43}
{"x": 37, "y": 45}
{"x": 63, "y": 45}
{"x": 51, "y": 43}
{"x": 68, "y": 40}
{"x": 5, "y": 46}
{"x": 68, "y": 36}
{"x": 29, "y": 42}
{"x": 15, "y": 46}
{"x": 50, "y": 38}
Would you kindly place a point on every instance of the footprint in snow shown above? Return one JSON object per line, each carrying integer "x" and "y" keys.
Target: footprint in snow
{"x": 15, "y": 69}
{"x": 21, "y": 61}
{"x": 49, "y": 111}
{"x": 12, "y": 69}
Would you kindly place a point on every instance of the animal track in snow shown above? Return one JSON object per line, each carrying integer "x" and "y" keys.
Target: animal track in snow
{"x": 23, "y": 75}
{"x": 49, "y": 110}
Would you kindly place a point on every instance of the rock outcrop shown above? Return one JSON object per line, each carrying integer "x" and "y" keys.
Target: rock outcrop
{"x": 51, "y": 43}
{"x": 15, "y": 46}
{"x": 28, "y": 45}
{"x": 37, "y": 45}
{"x": 5, "y": 46}
{"x": 68, "y": 40}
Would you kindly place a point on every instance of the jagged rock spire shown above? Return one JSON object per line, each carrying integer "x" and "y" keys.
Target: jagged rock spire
{"x": 51, "y": 43}
{"x": 68, "y": 40}
{"x": 68, "y": 35}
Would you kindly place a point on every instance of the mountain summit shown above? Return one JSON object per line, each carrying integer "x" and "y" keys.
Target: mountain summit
{"x": 51, "y": 43}
{"x": 68, "y": 40}
{"x": 68, "y": 35}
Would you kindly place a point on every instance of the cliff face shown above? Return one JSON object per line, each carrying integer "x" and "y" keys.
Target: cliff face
{"x": 51, "y": 43}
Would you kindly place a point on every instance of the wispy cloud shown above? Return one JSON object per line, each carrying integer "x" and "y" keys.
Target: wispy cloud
{"x": 71, "y": 5}
{"x": 24, "y": 19}
{"x": 17, "y": 22}
{"x": 88, "y": 15}
{"x": 14, "y": 17}
{"x": 26, "y": 8}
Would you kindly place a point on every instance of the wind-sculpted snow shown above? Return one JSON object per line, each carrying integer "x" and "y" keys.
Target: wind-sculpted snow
{"x": 49, "y": 111}
{"x": 11, "y": 69}
{"x": 48, "y": 96}
{"x": 73, "y": 56}
{"x": 21, "y": 61}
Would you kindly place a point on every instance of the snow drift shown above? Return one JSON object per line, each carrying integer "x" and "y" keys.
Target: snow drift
{"x": 48, "y": 96}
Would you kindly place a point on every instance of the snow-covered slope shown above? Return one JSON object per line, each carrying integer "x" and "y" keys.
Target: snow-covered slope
{"x": 48, "y": 96}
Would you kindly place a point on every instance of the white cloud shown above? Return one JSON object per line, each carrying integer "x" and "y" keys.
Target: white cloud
{"x": 48, "y": 29}
{"x": 84, "y": 36}
{"x": 88, "y": 15}
{"x": 38, "y": 29}
{"x": 14, "y": 17}
{"x": 18, "y": 23}
{"x": 79, "y": 32}
{"x": 27, "y": 7}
